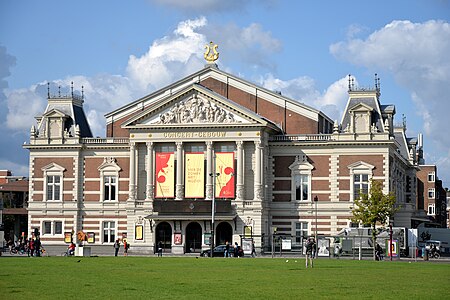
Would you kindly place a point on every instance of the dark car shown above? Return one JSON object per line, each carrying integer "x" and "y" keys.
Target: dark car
{"x": 220, "y": 250}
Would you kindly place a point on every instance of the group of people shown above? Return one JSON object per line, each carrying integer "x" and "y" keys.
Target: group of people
{"x": 116, "y": 246}
{"x": 32, "y": 247}
{"x": 236, "y": 251}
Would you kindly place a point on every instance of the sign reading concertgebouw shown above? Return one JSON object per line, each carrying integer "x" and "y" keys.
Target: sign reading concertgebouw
{"x": 165, "y": 175}
{"x": 194, "y": 175}
{"x": 225, "y": 179}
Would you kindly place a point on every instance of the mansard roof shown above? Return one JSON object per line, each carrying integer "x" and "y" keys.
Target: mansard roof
{"x": 69, "y": 107}
{"x": 369, "y": 101}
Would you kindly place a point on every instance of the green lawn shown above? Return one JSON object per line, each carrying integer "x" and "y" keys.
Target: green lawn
{"x": 218, "y": 278}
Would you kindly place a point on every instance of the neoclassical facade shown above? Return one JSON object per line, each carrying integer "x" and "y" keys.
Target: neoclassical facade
{"x": 270, "y": 164}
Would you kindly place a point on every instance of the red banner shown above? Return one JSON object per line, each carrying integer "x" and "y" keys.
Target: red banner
{"x": 165, "y": 175}
{"x": 225, "y": 179}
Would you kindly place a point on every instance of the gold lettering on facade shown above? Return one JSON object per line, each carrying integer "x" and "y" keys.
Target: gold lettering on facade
{"x": 189, "y": 135}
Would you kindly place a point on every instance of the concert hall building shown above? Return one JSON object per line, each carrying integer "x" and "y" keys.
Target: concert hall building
{"x": 269, "y": 163}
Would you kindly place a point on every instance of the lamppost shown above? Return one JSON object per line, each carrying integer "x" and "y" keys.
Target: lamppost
{"x": 316, "y": 199}
{"x": 213, "y": 208}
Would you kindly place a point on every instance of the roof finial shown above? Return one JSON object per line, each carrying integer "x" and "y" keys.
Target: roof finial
{"x": 376, "y": 82}
{"x": 71, "y": 88}
{"x": 48, "y": 90}
{"x": 59, "y": 91}
{"x": 349, "y": 81}
{"x": 211, "y": 54}
{"x": 82, "y": 92}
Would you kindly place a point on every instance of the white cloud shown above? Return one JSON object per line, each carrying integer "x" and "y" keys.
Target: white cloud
{"x": 417, "y": 54}
{"x": 19, "y": 118}
{"x": 167, "y": 60}
{"x": 251, "y": 45}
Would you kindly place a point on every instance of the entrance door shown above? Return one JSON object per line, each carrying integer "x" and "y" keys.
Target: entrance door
{"x": 224, "y": 233}
{"x": 193, "y": 237}
{"x": 164, "y": 235}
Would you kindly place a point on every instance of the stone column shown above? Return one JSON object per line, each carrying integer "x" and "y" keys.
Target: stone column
{"x": 132, "y": 186}
{"x": 240, "y": 171}
{"x": 179, "y": 193}
{"x": 209, "y": 170}
{"x": 258, "y": 174}
{"x": 150, "y": 185}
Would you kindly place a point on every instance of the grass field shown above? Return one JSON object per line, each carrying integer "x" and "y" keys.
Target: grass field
{"x": 218, "y": 278}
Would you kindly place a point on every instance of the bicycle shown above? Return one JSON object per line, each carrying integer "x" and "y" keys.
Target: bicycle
{"x": 66, "y": 253}
{"x": 434, "y": 254}
{"x": 17, "y": 251}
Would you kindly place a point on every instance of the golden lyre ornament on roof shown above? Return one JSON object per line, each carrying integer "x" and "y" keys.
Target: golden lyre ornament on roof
{"x": 211, "y": 54}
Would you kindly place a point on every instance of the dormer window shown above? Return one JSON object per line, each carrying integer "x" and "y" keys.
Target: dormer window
{"x": 361, "y": 119}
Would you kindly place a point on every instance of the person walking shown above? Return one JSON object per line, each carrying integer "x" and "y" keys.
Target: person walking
{"x": 253, "y": 249}
{"x": 309, "y": 252}
{"x": 160, "y": 249}
{"x": 227, "y": 249}
{"x": 116, "y": 247}
{"x": 236, "y": 249}
{"x": 126, "y": 246}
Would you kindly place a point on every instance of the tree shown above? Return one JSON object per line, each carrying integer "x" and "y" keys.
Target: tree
{"x": 374, "y": 207}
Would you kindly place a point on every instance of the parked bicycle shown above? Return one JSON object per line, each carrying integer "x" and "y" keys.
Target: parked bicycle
{"x": 14, "y": 251}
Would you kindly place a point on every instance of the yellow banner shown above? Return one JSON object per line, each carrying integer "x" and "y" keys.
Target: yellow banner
{"x": 194, "y": 176}
{"x": 165, "y": 175}
{"x": 225, "y": 179}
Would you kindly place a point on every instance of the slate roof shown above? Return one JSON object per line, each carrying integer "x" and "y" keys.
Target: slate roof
{"x": 369, "y": 101}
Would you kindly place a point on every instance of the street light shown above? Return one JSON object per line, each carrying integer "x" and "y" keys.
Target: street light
{"x": 316, "y": 199}
{"x": 213, "y": 208}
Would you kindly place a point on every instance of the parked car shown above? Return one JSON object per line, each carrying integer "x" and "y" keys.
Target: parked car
{"x": 220, "y": 250}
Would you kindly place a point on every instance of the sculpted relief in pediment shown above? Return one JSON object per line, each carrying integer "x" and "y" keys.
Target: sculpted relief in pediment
{"x": 196, "y": 110}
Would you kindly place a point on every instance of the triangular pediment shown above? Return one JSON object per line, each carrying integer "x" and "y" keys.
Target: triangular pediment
{"x": 195, "y": 106}
{"x": 361, "y": 107}
{"x": 55, "y": 113}
{"x": 53, "y": 168}
{"x": 360, "y": 165}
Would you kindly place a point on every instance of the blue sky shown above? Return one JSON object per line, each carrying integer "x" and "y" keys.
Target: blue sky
{"x": 122, "y": 50}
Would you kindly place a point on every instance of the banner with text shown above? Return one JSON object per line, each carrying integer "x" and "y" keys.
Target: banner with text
{"x": 165, "y": 175}
{"x": 194, "y": 175}
{"x": 225, "y": 179}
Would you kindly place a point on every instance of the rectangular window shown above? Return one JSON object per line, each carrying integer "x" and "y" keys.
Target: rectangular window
{"x": 301, "y": 187}
{"x": 431, "y": 177}
{"x": 224, "y": 147}
{"x": 109, "y": 232}
{"x": 301, "y": 232}
{"x": 360, "y": 185}
{"x": 58, "y": 227}
{"x": 110, "y": 188}
{"x": 430, "y": 193}
{"x": 47, "y": 227}
{"x": 431, "y": 209}
{"x": 53, "y": 187}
